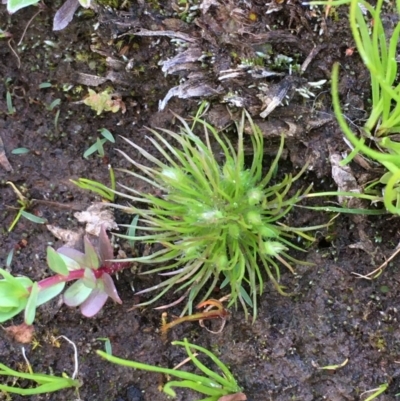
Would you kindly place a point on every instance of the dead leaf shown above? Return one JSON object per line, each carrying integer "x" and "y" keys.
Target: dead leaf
{"x": 69, "y": 237}
{"x": 233, "y": 397}
{"x": 343, "y": 177}
{"x": 96, "y": 216}
{"x": 65, "y": 14}
{"x": 3, "y": 158}
{"x": 21, "y": 333}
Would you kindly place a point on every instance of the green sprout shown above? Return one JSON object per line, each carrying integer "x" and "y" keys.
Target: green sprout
{"x": 98, "y": 146}
{"x": 377, "y": 139}
{"x": 98, "y": 187}
{"x": 24, "y": 203}
{"x": 215, "y": 222}
{"x": 376, "y": 391}
{"x": 211, "y": 384}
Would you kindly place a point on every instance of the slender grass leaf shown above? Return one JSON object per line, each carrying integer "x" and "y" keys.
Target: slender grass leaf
{"x": 107, "y": 134}
{"x": 30, "y": 308}
{"x": 33, "y": 218}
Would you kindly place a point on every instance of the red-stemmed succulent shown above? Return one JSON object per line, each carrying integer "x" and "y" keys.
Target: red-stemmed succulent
{"x": 90, "y": 270}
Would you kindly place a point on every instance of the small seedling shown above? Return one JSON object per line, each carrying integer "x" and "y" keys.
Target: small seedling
{"x": 10, "y": 108}
{"x": 97, "y": 187}
{"x": 211, "y": 384}
{"x": 90, "y": 271}
{"x": 376, "y": 391}
{"x": 24, "y": 204}
{"x": 98, "y": 145}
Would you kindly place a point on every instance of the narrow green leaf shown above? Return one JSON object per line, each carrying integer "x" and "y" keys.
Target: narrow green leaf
{"x": 77, "y": 293}
{"x": 94, "y": 148}
{"x": 10, "y": 107}
{"x": 30, "y": 308}
{"x": 107, "y": 134}
{"x": 91, "y": 257}
{"x": 56, "y": 262}
{"x": 100, "y": 147}
{"x": 49, "y": 293}
{"x": 131, "y": 232}
{"x": 10, "y": 257}
{"x": 54, "y": 104}
{"x": 33, "y": 218}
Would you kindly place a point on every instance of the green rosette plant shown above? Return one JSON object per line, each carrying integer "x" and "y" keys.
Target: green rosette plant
{"x": 218, "y": 219}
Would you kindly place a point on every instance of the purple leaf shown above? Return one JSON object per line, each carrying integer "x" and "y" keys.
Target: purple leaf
{"x": 74, "y": 254}
{"x": 109, "y": 288}
{"x": 94, "y": 303}
{"x": 65, "y": 14}
{"x": 105, "y": 248}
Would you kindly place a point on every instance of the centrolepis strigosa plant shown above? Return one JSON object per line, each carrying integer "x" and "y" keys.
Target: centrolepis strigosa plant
{"x": 219, "y": 219}
{"x": 90, "y": 270}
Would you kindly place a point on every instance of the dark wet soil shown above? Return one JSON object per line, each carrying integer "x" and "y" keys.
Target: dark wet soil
{"x": 333, "y": 316}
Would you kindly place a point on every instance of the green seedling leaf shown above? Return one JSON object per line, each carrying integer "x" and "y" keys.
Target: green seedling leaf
{"x": 131, "y": 232}
{"x": 100, "y": 147}
{"x": 89, "y": 279}
{"x": 377, "y": 391}
{"x": 95, "y": 148}
{"x": 54, "y": 104}
{"x": 69, "y": 262}
{"x": 10, "y": 257}
{"x": 49, "y": 293}
{"x": 56, "y": 262}
{"x": 10, "y": 107}
{"x": 91, "y": 257}
{"x": 15, "y": 5}
{"x": 107, "y": 344}
{"x": 96, "y": 187}
{"x": 33, "y": 218}
{"x": 85, "y": 3}
{"x": 107, "y": 134}
{"x": 20, "y": 151}
{"x": 45, "y": 85}
{"x": 30, "y": 308}
{"x": 7, "y": 296}
{"x": 76, "y": 294}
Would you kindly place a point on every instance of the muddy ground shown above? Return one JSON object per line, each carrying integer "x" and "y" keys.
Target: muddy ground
{"x": 333, "y": 316}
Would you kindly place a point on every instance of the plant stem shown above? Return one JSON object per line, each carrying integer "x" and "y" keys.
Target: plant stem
{"x": 110, "y": 268}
